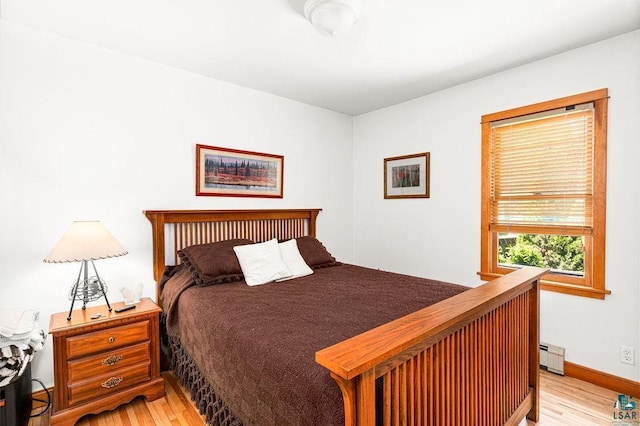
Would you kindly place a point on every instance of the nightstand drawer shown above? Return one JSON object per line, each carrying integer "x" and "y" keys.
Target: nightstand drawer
{"x": 108, "y": 384}
{"x": 108, "y": 361}
{"x": 98, "y": 341}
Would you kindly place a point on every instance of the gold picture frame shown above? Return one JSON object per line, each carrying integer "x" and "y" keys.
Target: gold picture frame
{"x": 226, "y": 172}
{"x": 407, "y": 176}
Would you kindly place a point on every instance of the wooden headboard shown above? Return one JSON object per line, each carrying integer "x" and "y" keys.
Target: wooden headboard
{"x": 172, "y": 230}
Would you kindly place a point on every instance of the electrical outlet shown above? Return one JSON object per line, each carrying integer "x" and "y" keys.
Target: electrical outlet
{"x": 627, "y": 355}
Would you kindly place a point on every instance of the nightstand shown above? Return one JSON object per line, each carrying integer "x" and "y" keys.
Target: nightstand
{"x": 102, "y": 363}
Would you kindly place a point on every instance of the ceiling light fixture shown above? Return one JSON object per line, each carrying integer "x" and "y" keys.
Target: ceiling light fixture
{"x": 331, "y": 17}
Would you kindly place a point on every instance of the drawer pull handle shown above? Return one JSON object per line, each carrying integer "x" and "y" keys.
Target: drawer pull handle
{"x": 112, "y": 360}
{"x": 112, "y": 339}
{"x": 112, "y": 382}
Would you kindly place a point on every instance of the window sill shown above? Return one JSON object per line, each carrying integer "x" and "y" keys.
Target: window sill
{"x": 576, "y": 290}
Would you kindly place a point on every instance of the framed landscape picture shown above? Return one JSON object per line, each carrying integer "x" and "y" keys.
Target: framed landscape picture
{"x": 407, "y": 176}
{"x": 226, "y": 172}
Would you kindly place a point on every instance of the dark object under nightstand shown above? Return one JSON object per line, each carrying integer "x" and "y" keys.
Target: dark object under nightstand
{"x": 102, "y": 363}
{"x": 15, "y": 401}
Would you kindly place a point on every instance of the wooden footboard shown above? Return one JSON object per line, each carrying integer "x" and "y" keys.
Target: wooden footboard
{"x": 472, "y": 359}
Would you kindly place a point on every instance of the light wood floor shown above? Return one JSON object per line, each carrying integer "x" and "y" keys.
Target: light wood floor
{"x": 568, "y": 401}
{"x": 564, "y": 401}
{"x": 176, "y": 408}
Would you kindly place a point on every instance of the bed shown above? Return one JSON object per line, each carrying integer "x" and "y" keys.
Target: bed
{"x": 470, "y": 357}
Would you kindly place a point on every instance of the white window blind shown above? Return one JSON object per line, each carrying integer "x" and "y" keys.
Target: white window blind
{"x": 541, "y": 172}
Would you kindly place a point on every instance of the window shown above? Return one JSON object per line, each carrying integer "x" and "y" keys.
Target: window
{"x": 544, "y": 192}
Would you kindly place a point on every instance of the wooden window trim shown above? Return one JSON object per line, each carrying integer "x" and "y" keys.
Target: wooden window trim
{"x": 594, "y": 286}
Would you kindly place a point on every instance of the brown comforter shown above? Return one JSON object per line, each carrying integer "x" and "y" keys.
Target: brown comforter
{"x": 256, "y": 345}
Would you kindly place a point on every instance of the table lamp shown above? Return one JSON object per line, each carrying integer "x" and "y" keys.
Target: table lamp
{"x": 86, "y": 241}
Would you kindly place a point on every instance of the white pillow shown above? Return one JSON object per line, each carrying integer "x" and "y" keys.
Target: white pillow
{"x": 261, "y": 263}
{"x": 292, "y": 257}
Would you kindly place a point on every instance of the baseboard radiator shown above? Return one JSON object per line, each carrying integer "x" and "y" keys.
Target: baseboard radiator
{"x": 552, "y": 358}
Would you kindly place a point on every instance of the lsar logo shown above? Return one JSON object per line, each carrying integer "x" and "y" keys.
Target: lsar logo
{"x": 625, "y": 409}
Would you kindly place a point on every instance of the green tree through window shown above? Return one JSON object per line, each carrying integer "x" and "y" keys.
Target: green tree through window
{"x": 559, "y": 252}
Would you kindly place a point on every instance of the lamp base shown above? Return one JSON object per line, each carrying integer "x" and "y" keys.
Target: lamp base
{"x": 88, "y": 289}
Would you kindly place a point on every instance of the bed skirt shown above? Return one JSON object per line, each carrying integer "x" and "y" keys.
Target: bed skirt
{"x": 216, "y": 412}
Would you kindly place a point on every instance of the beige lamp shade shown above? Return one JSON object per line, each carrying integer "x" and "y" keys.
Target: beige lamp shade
{"x": 83, "y": 241}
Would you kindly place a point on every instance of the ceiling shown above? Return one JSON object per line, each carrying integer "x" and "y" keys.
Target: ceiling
{"x": 398, "y": 49}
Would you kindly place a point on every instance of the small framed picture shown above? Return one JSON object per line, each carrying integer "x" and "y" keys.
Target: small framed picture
{"x": 226, "y": 172}
{"x": 407, "y": 176}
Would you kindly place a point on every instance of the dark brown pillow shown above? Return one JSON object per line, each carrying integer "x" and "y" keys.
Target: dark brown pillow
{"x": 214, "y": 263}
{"x": 314, "y": 253}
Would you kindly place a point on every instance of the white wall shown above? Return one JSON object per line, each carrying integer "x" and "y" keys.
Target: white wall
{"x": 87, "y": 133}
{"x": 440, "y": 237}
